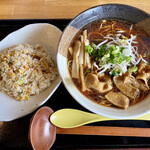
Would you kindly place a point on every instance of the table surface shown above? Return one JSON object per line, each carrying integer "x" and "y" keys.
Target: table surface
{"x": 21, "y": 9}
{"x": 60, "y": 9}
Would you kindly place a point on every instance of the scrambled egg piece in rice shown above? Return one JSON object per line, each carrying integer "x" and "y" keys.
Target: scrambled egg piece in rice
{"x": 26, "y": 70}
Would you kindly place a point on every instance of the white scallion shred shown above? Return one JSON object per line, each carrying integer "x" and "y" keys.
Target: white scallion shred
{"x": 98, "y": 46}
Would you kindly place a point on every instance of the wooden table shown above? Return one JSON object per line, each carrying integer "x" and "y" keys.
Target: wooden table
{"x": 21, "y": 9}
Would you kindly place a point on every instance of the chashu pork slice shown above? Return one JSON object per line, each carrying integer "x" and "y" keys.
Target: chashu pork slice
{"x": 92, "y": 82}
{"x": 126, "y": 88}
{"x": 118, "y": 99}
{"x": 128, "y": 78}
{"x": 144, "y": 73}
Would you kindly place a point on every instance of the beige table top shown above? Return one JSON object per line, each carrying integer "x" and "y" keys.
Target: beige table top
{"x": 38, "y": 9}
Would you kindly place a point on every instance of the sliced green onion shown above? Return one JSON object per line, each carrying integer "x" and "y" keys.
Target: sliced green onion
{"x": 20, "y": 82}
{"x": 116, "y": 72}
{"x": 89, "y": 49}
{"x": 133, "y": 69}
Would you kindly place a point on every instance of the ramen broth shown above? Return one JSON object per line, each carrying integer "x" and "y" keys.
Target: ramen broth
{"x": 110, "y": 34}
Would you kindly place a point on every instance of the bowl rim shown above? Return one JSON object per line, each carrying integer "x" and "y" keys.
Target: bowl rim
{"x": 108, "y": 4}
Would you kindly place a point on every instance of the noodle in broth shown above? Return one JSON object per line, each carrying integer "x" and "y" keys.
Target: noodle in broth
{"x": 108, "y": 61}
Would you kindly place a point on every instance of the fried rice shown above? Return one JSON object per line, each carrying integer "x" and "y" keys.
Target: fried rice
{"x": 26, "y": 70}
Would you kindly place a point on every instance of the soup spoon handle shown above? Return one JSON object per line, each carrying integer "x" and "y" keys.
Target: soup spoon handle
{"x": 70, "y": 118}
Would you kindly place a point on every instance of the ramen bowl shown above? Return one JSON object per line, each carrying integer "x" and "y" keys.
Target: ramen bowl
{"x": 108, "y": 11}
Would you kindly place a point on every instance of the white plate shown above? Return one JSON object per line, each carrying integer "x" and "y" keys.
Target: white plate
{"x": 48, "y": 36}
